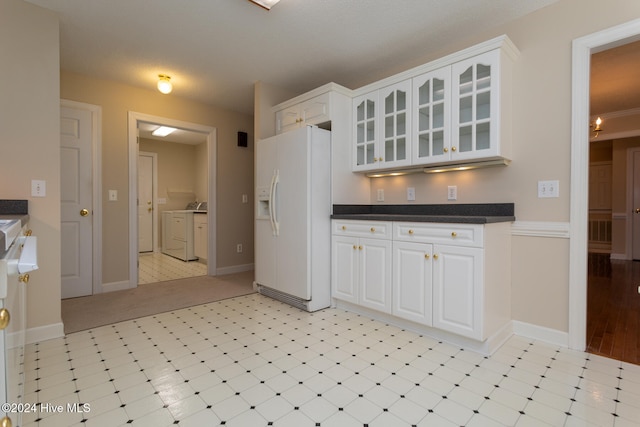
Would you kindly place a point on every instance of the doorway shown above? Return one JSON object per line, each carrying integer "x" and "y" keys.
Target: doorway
{"x": 169, "y": 192}
{"x": 583, "y": 48}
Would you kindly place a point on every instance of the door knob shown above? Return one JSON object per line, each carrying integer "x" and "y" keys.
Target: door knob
{"x": 84, "y": 212}
{"x": 5, "y": 318}
{"x": 149, "y": 209}
{"x": 637, "y": 210}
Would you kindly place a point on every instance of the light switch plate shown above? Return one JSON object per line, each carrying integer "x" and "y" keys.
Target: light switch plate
{"x": 547, "y": 189}
{"x": 38, "y": 188}
{"x": 380, "y": 195}
{"x": 113, "y": 195}
{"x": 411, "y": 194}
{"x": 452, "y": 192}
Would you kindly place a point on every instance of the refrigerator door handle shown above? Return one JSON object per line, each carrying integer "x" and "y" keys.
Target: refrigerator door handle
{"x": 272, "y": 202}
{"x": 276, "y": 184}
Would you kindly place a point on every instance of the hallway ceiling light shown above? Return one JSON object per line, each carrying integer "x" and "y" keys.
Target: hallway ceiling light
{"x": 163, "y": 131}
{"x": 164, "y": 84}
{"x": 267, "y": 4}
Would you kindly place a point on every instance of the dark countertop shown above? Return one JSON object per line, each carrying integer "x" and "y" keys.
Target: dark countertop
{"x": 484, "y": 213}
{"x": 10, "y": 210}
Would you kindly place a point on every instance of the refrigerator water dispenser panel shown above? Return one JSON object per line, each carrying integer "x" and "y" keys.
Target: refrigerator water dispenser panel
{"x": 262, "y": 200}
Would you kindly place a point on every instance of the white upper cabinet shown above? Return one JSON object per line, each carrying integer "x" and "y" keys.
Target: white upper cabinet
{"x": 432, "y": 117}
{"x": 310, "y": 112}
{"x": 449, "y": 111}
{"x": 366, "y": 132}
{"x": 396, "y": 122}
{"x": 382, "y": 126}
{"x": 476, "y": 107}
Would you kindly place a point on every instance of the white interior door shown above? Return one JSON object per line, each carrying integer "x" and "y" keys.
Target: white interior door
{"x": 636, "y": 206}
{"x": 145, "y": 203}
{"x": 76, "y": 202}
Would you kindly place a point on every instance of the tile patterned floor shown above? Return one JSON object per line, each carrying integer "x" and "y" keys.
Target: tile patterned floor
{"x": 253, "y": 361}
{"x": 158, "y": 267}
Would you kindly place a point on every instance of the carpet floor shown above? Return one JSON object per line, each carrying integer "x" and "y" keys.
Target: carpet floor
{"x": 88, "y": 312}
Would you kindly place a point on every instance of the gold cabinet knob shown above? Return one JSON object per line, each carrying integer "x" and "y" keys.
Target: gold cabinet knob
{"x": 426, "y": 256}
{"x": 355, "y": 247}
{"x": 28, "y": 233}
{"x": 454, "y": 234}
{"x": 84, "y": 212}
{"x": 381, "y": 159}
{"x": 5, "y": 318}
{"x": 344, "y": 227}
{"x": 373, "y": 229}
{"x": 445, "y": 149}
{"x": 435, "y": 256}
{"x": 149, "y": 209}
{"x": 453, "y": 148}
{"x": 24, "y": 278}
{"x": 6, "y": 422}
{"x": 410, "y": 231}
{"x": 360, "y": 247}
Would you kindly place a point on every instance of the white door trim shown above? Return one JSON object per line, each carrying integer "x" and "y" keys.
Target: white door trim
{"x": 133, "y": 119}
{"x": 96, "y": 150}
{"x": 579, "y": 204}
{"x": 629, "y": 203}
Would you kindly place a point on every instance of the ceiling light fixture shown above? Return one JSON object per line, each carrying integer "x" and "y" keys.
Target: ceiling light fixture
{"x": 164, "y": 84}
{"x": 267, "y": 4}
{"x": 163, "y": 131}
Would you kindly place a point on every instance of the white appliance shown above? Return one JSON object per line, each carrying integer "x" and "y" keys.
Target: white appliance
{"x": 292, "y": 226}
{"x": 177, "y": 234}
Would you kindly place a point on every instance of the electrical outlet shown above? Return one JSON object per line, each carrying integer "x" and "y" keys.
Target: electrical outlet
{"x": 245, "y": 199}
{"x": 380, "y": 195}
{"x": 113, "y": 195}
{"x": 239, "y": 248}
{"x": 452, "y": 192}
{"x": 411, "y": 194}
{"x": 548, "y": 189}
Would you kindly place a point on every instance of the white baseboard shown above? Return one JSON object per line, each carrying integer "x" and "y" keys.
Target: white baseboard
{"x": 116, "y": 286}
{"x": 548, "y": 335}
{"x": 234, "y": 269}
{"x": 43, "y": 333}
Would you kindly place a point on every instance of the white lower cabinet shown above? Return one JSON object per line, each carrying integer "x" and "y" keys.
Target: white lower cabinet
{"x": 361, "y": 266}
{"x": 453, "y": 277}
{"x": 457, "y": 290}
{"x": 412, "y": 281}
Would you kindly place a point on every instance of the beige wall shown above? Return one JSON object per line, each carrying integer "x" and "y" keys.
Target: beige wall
{"x": 234, "y": 220}
{"x": 30, "y": 140}
{"x": 541, "y": 121}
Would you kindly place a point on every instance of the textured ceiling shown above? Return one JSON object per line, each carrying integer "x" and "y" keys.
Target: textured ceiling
{"x": 215, "y": 50}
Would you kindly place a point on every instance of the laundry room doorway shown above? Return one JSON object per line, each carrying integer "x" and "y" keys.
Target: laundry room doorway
{"x": 172, "y": 202}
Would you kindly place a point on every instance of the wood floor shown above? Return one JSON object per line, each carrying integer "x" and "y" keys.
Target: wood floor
{"x": 613, "y": 308}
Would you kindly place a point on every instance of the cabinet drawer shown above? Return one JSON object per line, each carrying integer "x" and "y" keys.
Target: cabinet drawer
{"x": 371, "y": 229}
{"x": 451, "y": 234}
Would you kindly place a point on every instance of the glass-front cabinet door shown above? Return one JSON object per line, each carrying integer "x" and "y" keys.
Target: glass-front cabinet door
{"x": 475, "y": 90}
{"x": 432, "y": 117}
{"x": 366, "y": 151}
{"x": 396, "y": 123}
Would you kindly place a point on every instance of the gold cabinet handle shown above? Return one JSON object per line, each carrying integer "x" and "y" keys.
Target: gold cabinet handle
{"x": 24, "y": 278}
{"x": 426, "y": 256}
{"x": 411, "y": 232}
{"x": 149, "y": 209}
{"x": 355, "y": 247}
{"x": 446, "y": 150}
{"x": 373, "y": 229}
{"x": 344, "y": 227}
{"x": 28, "y": 233}
{"x": 6, "y": 422}
{"x": 454, "y": 234}
{"x": 381, "y": 159}
{"x": 453, "y": 148}
{"x": 5, "y": 318}
{"x": 360, "y": 247}
{"x": 84, "y": 212}
{"x": 435, "y": 256}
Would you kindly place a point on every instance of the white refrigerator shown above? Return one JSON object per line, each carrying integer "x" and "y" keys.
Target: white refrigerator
{"x": 292, "y": 225}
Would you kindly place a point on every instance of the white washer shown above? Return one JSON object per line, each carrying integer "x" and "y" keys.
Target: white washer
{"x": 177, "y": 234}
